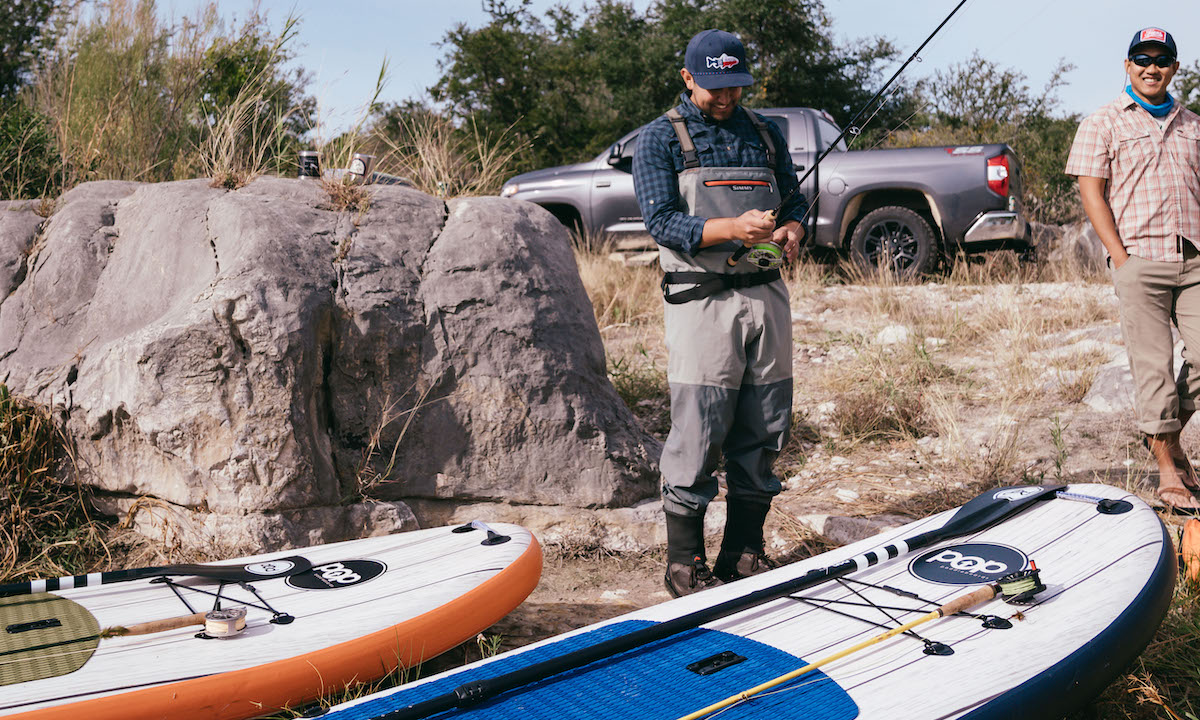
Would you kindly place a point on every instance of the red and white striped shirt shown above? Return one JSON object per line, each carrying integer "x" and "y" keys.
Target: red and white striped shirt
{"x": 1153, "y": 170}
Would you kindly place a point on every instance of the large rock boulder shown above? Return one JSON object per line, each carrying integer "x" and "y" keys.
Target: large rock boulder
{"x": 256, "y": 368}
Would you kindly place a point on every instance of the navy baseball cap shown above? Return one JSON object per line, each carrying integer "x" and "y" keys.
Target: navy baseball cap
{"x": 717, "y": 59}
{"x": 1153, "y": 36}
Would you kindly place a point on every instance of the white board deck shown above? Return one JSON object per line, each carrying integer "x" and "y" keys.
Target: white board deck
{"x": 1108, "y": 581}
{"x": 418, "y": 572}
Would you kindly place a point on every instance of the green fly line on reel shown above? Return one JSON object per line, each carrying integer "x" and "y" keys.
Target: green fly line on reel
{"x": 1020, "y": 587}
{"x": 765, "y": 255}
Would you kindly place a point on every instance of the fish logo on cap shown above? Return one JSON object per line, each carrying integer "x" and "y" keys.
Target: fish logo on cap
{"x": 1154, "y": 35}
{"x": 720, "y": 63}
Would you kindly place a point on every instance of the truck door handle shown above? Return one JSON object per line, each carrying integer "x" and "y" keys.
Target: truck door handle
{"x": 603, "y": 183}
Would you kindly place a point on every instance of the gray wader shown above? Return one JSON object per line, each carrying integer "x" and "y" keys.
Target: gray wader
{"x": 729, "y": 339}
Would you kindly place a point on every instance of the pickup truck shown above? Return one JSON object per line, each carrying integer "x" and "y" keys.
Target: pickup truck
{"x": 903, "y": 208}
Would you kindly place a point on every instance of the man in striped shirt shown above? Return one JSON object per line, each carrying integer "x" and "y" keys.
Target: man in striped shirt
{"x": 1138, "y": 164}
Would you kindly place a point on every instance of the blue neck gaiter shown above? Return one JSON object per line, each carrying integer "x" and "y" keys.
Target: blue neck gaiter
{"x": 1155, "y": 110}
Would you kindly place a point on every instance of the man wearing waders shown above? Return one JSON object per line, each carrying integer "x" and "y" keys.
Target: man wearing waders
{"x": 708, "y": 176}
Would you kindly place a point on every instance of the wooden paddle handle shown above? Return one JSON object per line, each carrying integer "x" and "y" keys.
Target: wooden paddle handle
{"x": 157, "y": 626}
{"x": 969, "y": 600}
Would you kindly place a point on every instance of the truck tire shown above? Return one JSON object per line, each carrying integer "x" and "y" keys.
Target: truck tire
{"x": 895, "y": 238}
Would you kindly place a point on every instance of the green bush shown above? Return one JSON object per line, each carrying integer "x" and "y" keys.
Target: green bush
{"x": 28, "y": 158}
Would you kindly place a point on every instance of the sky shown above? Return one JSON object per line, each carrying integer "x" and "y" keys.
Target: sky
{"x": 343, "y": 43}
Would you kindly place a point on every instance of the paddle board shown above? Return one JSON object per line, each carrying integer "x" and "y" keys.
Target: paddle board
{"x": 363, "y": 607}
{"x": 1103, "y": 556}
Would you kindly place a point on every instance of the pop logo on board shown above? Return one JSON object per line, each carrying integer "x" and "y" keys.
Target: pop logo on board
{"x": 968, "y": 564}
{"x": 341, "y": 574}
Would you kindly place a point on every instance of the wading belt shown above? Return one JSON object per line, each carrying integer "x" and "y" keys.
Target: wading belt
{"x": 708, "y": 283}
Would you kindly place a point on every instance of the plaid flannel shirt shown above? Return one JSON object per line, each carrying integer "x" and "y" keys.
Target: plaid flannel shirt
{"x": 729, "y": 143}
{"x": 1153, "y": 174}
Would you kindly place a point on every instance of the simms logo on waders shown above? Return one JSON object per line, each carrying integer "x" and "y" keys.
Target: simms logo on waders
{"x": 968, "y": 564}
{"x": 340, "y": 574}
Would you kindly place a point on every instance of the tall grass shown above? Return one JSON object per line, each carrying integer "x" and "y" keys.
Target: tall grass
{"x": 237, "y": 144}
{"x": 127, "y": 96}
{"x": 450, "y": 161}
{"x": 120, "y": 90}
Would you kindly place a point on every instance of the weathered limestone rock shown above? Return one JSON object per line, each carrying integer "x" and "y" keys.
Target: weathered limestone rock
{"x": 1075, "y": 245}
{"x": 19, "y": 224}
{"x": 264, "y": 364}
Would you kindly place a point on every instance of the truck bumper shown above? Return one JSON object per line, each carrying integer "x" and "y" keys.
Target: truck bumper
{"x": 999, "y": 225}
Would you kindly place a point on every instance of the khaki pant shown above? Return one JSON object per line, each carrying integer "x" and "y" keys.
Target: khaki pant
{"x": 1153, "y": 295}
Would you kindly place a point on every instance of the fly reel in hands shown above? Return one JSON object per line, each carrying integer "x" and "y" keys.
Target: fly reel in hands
{"x": 765, "y": 255}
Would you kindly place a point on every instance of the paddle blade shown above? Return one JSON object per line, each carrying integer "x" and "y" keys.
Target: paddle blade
{"x": 263, "y": 570}
{"x": 991, "y": 507}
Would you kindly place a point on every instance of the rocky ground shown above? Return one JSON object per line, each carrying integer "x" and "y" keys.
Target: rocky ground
{"x": 909, "y": 399}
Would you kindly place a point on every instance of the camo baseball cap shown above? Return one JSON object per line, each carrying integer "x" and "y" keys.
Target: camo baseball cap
{"x": 717, "y": 59}
{"x": 1152, "y": 36}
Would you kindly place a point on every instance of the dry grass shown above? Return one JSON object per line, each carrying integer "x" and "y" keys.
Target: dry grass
{"x": 46, "y": 528}
{"x": 881, "y": 390}
{"x": 620, "y": 295}
{"x": 369, "y": 475}
{"x": 345, "y": 196}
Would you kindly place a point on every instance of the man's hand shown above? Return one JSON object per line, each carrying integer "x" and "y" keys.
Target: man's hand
{"x": 788, "y": 237}
{"x": 753, "y": 226}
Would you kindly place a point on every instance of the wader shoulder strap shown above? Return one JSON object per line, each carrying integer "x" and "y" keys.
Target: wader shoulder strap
{"x": 690, "y": 158}
{"x": 761, "y": 127}
{"x": 711, "y": 283}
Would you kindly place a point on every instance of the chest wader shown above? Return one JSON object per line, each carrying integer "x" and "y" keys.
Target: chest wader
{"x": 729, "y": 342}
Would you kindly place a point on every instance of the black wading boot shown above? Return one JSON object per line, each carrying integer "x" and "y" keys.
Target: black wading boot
{"x": 742, "y": 553}
{"x": 687, "y": 570}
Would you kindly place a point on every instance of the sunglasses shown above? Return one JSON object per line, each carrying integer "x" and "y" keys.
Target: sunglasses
{"x": 1145, "y": 60}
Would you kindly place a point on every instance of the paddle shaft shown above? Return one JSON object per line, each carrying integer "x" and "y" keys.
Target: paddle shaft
{"x": 154, "y": 626}
{"x": 957, "y": 605}
{"x": 262, "y": 570}
{"x": 979, "y": 514}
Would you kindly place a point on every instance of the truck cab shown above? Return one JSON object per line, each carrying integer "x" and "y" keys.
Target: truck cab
{"x": 901, "y": 207}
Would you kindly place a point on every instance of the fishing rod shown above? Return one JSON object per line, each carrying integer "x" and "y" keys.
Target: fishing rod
{"x": 979, "y": 514}
{"x": 851, "y": 129}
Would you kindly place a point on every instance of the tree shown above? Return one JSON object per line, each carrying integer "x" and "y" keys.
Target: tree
{"x": 21, "y": 24}
{"x": 1187, "y": 86}
{"x": 572, "y": 83}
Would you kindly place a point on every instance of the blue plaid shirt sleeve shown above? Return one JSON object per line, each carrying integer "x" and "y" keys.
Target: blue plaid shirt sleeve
{"x": 655, "y": 180}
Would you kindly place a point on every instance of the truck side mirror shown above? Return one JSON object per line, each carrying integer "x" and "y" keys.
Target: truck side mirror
{"x": 614, "y": 155}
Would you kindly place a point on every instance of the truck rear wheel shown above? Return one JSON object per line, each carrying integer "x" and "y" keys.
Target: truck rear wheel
{"x": 895, "y": 239}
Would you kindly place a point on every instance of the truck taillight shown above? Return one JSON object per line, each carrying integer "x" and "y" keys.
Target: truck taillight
{"x": 997, "y": 174}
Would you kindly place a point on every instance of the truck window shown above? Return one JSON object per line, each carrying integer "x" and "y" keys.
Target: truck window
{"x": 782, "y": 122}
{"x": 828, "y": 132}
